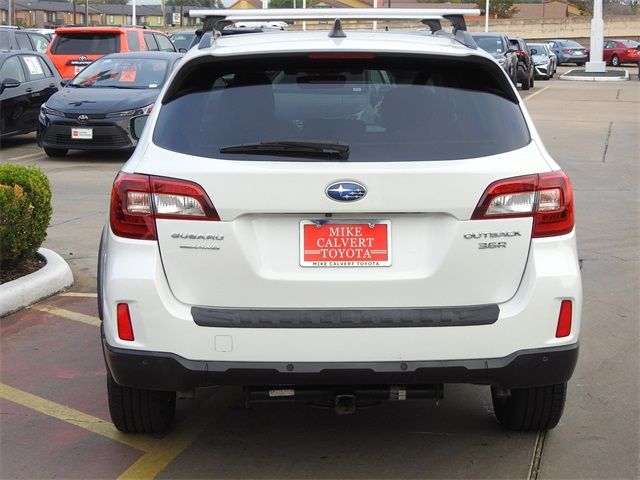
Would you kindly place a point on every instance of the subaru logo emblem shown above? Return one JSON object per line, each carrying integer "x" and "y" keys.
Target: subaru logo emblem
{"x": 82, "y": 58}
{"x": 83, "y": 119}
{"x": 346, "y": 191}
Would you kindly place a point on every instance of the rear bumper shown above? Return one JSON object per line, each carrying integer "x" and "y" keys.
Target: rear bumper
{"x": 170, "y": 372}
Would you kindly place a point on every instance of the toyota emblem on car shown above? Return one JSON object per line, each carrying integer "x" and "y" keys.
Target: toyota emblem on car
{"x": 346, "y": 191}
{"x": 82, "y": 58}
{"x": 83, "y": 119}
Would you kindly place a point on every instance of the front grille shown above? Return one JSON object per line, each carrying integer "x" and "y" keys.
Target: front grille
{"x": 103, "y": 136}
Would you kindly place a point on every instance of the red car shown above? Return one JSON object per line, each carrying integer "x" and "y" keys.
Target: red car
{"x": 617, "y": 51}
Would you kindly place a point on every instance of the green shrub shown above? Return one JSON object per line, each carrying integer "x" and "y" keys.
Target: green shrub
{"x": 25, "y": 211}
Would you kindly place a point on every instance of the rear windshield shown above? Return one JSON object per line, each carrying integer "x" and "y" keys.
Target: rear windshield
{"x": 489, "y": 43}
{"x": 182, "y": 40}
{"x": 384, "y": 109}
{"x": 570, "y": 43}
{"x": 630, "y": 43}
{"x": 86, "y": 43}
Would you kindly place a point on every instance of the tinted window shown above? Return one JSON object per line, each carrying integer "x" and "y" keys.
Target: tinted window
{"x": 86, "y": 44}
{"x": 429, "y": 110}
{"x": 45, "y": 68}
{"x": 165, "y": 44}
{"x": 34, "y": 67}
{"x": 133, "y": 39}
{"x": 23, "y": 41}
{"x": 5, "y": 40}
{"x": 11, "y": 68}
{"x": 40, "y": 42}
{"x": 630, "y": 43}
{"x": 150, "y": 42}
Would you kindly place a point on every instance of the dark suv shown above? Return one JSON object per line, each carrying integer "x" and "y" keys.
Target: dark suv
{"x": 12, "y": 38}
{"x": 525, "y": 63}
{"x": 497, "y": 44}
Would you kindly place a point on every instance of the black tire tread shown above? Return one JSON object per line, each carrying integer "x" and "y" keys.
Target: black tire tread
{"x": 136, "y": 410}
{"x": 531, "y": 409}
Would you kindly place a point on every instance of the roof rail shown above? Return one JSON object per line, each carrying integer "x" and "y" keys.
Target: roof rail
{"x": 217, "y": 19}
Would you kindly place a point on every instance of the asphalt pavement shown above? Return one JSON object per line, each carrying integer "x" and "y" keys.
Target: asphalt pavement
{"x": 54, "y": 419}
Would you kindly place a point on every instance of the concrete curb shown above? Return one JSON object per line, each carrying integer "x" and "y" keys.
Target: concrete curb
{"x": 52, "y": 278}
{"x": 576, "y": 78}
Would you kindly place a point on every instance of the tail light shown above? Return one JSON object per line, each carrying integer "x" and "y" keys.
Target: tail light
{"x": 632, "y": 51}
{"x": 547, "y": 197}
{"x": 138, "y": 200}
{"x": 567, "y": 50}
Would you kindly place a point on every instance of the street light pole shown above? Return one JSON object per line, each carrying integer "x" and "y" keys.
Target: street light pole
{"x": 486, "y": 17}
{"x": 133, "y": 17}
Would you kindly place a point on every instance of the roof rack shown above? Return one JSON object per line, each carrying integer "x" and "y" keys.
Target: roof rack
{"x": 216, "y": 19}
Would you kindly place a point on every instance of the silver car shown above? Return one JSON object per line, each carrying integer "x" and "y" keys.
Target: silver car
{"x": 544, "y": 60}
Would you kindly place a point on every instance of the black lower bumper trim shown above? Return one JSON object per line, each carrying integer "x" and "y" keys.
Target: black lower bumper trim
{"x": 166, "y": 371}
{"x": 374, "y": 318}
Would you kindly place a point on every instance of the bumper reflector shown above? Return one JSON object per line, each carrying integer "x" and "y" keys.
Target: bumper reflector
{"x": 564, "y": 319}
{"x": 125, "y": 329}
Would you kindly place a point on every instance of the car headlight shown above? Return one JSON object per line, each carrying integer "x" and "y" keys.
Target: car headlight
{"x": 131, "y": 113}
{"x": 44, "y": 110}
{"x": 543, "y": 62}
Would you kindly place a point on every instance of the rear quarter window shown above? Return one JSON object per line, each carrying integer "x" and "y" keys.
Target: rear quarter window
{"x": 133, "y": 40}
{"x": 86, "y": 44}
{"x": 387, "y": 109}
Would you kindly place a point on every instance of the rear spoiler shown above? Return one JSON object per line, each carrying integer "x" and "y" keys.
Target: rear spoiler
{"x": 216, "y": 19}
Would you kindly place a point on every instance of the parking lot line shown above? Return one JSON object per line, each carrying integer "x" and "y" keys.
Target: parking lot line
{"x": 184, "y": 434}
{"x": 30, "y": 155}
{"x": 78, "y": 294}
{"x": 75, "y": 417}
{"x": 61, "y": 312}
{"x": 536, "y": 93}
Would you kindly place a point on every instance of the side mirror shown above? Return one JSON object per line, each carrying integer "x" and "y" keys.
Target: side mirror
{"x": 137, "y": 126}
{"x": 9, "y": 83}
{"x": 533, "y": 51}
{"x": 182, "y": 50}
{"x": 65, "y": 82}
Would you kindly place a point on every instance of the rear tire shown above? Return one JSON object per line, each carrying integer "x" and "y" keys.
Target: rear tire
{"x": 526, "y": 85}
{"x": 530, "y": 409}
{"x": 55, "y": 152}
{"x": 531, "y": 80}
{"x": 136, "y": 410}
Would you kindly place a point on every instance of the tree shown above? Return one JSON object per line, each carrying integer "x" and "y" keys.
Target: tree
{"x": 501, "y": 8}
{"x": 281, "y": 3}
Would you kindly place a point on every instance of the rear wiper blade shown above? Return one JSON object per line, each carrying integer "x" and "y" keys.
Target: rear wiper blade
{"x": 294, "y": 148}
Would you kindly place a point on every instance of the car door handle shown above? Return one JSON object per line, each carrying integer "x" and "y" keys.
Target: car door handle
{"x": 29, "y": 90}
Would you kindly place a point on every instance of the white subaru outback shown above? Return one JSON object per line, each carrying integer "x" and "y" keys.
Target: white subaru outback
{"x": 339, "y": 217}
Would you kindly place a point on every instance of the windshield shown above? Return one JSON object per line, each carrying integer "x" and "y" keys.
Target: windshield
{"x": 386, "y": 109}
{"x": 86, "y": 43}
{"x": 182, "y": 40}
{"x": 489, "y": 44}
{"x": 123, "y": 73}
{"x": 539, "y": 47}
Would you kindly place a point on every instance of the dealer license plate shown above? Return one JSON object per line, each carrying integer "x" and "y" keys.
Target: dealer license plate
{"x": 354, "y": 244}
{"x": 82, "y": 133}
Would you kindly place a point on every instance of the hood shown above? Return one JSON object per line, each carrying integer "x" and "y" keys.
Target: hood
{"x": 540, "y": 58}
{"x": 101, "y": 100}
